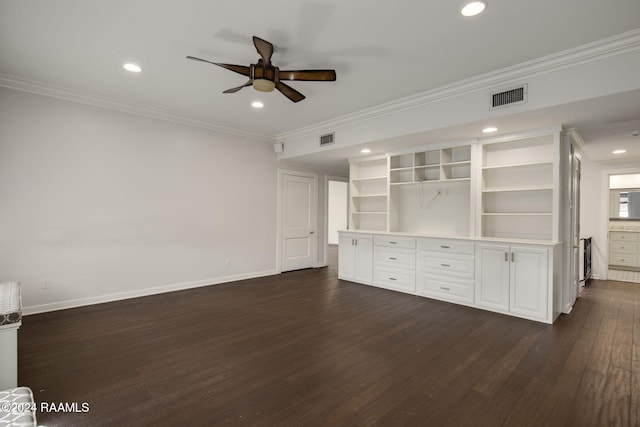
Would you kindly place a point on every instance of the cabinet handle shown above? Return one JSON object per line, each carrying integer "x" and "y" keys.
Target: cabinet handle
{"x": 393, "y": 258}
{"x": 513, "y": 257}
{"x": 392, "y": 278}
{"x": 356, "y": 242}
{"x": 445, "y": 247}
{"x": 506, "y": 256}
{"x": 445, "y": 289}
{"x": 445, "y": 265}
{"x": 353, "y": 242}
{"x": 393, "y": 243}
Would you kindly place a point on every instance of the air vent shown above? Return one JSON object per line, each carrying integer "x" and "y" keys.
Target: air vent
{"x": 517, "y": 95}
{"x": 327, "y": 139}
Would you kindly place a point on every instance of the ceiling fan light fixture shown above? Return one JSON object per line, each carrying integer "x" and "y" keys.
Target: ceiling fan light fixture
{"x": 264, "y": 85}
{"x": 473, "y": 8}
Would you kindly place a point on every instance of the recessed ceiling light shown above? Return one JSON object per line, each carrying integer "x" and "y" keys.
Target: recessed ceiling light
{"x": 365, "y": 151}
{"x": 473, "y": 8}
{"x": 257, "y": 104}
{"x": 132, "y": 67}
{"x": 619, "y": 151}
{"x": 489, "y": 129}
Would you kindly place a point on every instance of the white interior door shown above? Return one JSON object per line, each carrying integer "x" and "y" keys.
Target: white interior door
{"x": 299, "y": 219}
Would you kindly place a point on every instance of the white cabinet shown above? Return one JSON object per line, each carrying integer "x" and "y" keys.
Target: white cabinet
{"x": 446, "y": 270}
{"x": 394, "y": 265}
{"x": 514, "y": 279}
{"x": 624, "y": 250}
{"x": 355, "y": 257}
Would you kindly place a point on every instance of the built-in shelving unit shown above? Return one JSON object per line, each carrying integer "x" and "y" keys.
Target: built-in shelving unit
{"x": 368, "y": 207}
{"x": 518, "y": 188}
{"x": 445, "y": 164}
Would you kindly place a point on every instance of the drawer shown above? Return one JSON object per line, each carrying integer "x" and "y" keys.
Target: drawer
{"x": 395, "y": 279}
{"x": 624, "y": 247}
{"x": 395, "y": 258}
{"x": 395, "y": 241}
{"x": 622, "y": 236}
{"x": 447, "y": 246}
{"x": 622, "y": 259}
{"x": 449, "y": 265}
{"x": 437, "y": 287}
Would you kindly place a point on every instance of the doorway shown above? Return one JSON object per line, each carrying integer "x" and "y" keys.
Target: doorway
{"x": 337, "y": 189}
{"x": 624, "y": 228}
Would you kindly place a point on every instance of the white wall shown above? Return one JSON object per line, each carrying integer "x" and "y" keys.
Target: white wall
{"x": 592, "y": 217}
{"x": 108, "y": 205}
{"x": 337, "y": 210}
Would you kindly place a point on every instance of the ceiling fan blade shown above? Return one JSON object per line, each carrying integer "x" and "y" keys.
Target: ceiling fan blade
{"x": 309, "y": 75}
{"x": 264, "y": 48}
{"x": 289, "y": 92}
{"x": 240, "y": 69}
{"x": 235, "y": 89}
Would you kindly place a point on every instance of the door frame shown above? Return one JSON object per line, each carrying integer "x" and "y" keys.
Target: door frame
{"x": 280, "y": 216}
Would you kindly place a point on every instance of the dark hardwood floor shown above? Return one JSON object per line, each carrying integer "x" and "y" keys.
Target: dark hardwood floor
{"x": 304, "y": 348}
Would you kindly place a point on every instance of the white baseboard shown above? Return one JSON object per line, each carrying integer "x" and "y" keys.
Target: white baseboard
{"x": 62, "y": 305}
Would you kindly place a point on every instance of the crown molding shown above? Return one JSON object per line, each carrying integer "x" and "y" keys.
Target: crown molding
{"x": 590, "y": 52}
{"x": 598, "y": 50}
{"x": 39, "y": 88}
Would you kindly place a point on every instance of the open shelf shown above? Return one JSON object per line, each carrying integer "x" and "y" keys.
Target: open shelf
{"x": 518, "y": 188}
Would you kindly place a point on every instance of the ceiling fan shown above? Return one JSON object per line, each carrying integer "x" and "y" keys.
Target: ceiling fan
{"x": 266, "y": 77}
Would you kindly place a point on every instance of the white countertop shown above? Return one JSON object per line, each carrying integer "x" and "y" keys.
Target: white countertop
{"x": 449, "y": 236}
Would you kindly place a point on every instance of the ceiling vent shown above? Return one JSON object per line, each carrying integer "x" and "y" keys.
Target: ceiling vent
{"x": 513, "y": 96}
{"x": 327, "y": 139}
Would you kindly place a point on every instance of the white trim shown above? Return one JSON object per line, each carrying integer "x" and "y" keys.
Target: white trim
{"x": 18, "y": 83}
{"x": 488, "y": 82}
{"x": 80, "y": 302}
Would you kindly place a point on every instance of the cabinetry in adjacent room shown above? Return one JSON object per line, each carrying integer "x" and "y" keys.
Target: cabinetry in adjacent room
{"x": 519, "y": 185}
{"x": 355, "y": 257}
{"x": 514, "y": 279}
{"x": 624, "y": 250}
{"x": 368, "y": 189}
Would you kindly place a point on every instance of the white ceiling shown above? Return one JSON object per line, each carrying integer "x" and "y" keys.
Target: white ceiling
{"x": 381, "y": 51}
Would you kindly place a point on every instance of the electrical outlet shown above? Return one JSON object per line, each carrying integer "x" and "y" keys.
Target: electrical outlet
{"x": 45, "y": 284}
{"x": 227, "y": 262}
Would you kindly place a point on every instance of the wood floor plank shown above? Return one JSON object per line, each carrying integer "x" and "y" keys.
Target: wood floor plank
{"x": 304, "y": 348}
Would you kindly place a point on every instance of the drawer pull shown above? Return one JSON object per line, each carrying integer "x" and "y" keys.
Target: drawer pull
{"x": 445, "y": 247}
{"x": 393, "y": 243}
{"x": 445, "y": 265}
{"x": 393, "y": 258}
{"x": 392, "y": 278}
{"x": 444, "y": 289}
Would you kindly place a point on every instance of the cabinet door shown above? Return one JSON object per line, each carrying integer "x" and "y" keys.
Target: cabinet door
{"x": 492, "y": 278}
{"x": 364, "y": 258}
{"x": 346, "y": 257}
{"x": 529, "y": 281}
